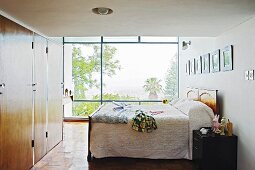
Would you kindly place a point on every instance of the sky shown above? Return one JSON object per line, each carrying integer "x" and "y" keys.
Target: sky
{"x": 139, "y": 62}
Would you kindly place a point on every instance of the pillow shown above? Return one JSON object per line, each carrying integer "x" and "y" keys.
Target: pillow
{"x": 178, "y": 101}
{"x": 189, "y": 107}
{"x": 174, "y": 101}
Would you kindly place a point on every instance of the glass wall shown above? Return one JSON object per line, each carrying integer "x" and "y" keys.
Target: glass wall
{"x": 138, "y": 70}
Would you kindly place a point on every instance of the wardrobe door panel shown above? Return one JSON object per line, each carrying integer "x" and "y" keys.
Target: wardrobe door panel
{"x": 40, "y": 96}
{"x": 55, "y": 91}
{"x": 16, "y": 119}
{"x": 1, "y": 88}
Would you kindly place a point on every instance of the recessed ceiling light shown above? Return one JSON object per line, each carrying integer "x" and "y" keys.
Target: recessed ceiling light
{"x": 102, "y": 11}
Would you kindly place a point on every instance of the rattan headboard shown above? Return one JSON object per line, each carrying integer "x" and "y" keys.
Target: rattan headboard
{"x": 192, "y": 93}
{"x": 208, "y": 97}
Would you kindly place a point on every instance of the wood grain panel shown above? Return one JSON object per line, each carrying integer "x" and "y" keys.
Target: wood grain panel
{"x": 40, "y": 96}
{"x": 16, "y": 119}
{"x": 1, "y": 81}
{"x": 55, "y": 91}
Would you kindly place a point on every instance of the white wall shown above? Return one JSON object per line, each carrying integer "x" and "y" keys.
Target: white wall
{"x": 237, "y": 95}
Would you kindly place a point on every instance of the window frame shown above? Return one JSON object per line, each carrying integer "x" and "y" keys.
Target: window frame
{"x": 101, "y": 43}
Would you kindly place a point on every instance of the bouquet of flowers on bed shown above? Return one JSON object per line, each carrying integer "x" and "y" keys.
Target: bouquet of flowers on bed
{"x": 142, "y": 122}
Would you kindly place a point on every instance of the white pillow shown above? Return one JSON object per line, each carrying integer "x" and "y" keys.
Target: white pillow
{"x": 190, "y": 107}
{"x": 178, "y": 101}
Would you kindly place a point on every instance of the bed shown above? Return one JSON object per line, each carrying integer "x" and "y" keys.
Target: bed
{"x": 171, "y": 140}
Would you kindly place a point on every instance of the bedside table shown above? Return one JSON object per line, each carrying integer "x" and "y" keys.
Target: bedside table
{"x": 214, "y": 152}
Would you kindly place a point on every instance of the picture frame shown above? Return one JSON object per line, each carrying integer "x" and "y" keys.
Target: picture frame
{"x": 192, "y": 66}
{"x": 188, "y": 68}
{"x": 251, "y": 75}
{"x": 215, "y": 61}
{"x": 198, "y": 65}
{"x": 227, "y": 58}
{"x": 247, "y": 75}
{"x": 206, "y": 63}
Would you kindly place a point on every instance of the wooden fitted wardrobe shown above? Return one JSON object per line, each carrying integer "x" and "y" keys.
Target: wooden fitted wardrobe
{"x": 30, "y": 96}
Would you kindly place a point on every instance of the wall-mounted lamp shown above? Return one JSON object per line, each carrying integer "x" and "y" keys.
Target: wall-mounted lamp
{"x": 185, "y": 45}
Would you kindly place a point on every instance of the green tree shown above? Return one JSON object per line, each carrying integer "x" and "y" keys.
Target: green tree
{"x": 85, "y": 69}
{"x": 153, "y": 86}
{"x": 171, "y": 88}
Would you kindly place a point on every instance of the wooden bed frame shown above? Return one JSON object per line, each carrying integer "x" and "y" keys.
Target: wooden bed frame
{"x": 208, "y": 97}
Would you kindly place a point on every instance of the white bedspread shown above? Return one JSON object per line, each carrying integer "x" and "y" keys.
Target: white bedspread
{"x": 170, "y": 141}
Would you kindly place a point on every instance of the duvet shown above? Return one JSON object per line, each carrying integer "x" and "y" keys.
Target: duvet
{"x": 171, "y": 140}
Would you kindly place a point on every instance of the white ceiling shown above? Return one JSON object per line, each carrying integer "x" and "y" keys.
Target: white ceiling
{"x": 131, "y": 17}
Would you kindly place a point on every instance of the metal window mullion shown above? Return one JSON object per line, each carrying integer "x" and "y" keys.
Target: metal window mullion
{"x": 63, "y": 81}
{"x": 88, "y": 100}
{"x": 101, "y": 64}
{"x": 178, "y": 68}
{"x": 82, "y": 42}
{"x": 140, "y": 42}
{"x": 101, "y": 76}
{"x": 121, "y": 42}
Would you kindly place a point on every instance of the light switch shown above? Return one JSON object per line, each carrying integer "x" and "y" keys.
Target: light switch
{"x": 251, "y": 75}
{"x": 246, "y": 75}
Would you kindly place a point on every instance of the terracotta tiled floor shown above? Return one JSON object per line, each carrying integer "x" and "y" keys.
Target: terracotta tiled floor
{"x": 71, "y": 153}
